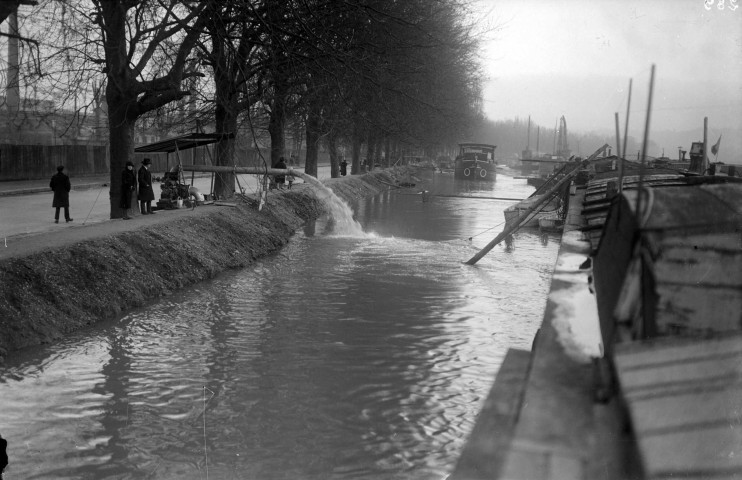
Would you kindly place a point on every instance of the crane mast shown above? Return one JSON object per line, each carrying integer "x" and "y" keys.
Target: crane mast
{"x": 562, "y": 148}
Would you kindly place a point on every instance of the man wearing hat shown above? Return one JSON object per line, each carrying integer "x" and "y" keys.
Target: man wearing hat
{"x": 146, "y": 194}
{"x": 61, "y": 185}
{"x": 128, "y": 186}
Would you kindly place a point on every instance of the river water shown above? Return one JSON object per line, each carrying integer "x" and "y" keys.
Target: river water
{"x": 362, "y": 355}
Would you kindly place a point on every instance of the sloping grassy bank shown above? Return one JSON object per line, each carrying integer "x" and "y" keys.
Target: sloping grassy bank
{"x": 48, "y": 294}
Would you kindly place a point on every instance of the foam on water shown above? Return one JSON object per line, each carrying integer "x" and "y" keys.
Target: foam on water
{"x": 343, "y": 224}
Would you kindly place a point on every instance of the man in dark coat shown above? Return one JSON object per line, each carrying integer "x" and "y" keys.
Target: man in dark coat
{"x": 128, "y": 186}
{"x": 146, "y": 194}
{"x": 60, "y": 184}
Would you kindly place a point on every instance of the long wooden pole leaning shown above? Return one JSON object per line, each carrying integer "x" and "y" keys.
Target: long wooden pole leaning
{"x": 521, "y": 218}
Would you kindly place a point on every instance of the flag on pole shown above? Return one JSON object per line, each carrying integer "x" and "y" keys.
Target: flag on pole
{"x": 715, "y": 148}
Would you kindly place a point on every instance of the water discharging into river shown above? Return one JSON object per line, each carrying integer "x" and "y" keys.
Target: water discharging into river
{"x": 354, "y": 356}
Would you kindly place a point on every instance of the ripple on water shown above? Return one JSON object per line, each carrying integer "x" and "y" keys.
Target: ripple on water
{"x": 364, "y": 356}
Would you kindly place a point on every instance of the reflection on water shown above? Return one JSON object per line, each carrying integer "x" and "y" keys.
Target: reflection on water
{"x": 362, "y": 356}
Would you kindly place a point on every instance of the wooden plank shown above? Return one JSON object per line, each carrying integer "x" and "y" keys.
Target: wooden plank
{"x": 684, "y": 398}
{"x": 657, "y": 415}
{"x": 698, "y": 264}
{"x": 698, "y": 309}
{"x": 713, "y": 453}
{"x": 717, "y": 241}
{"x": 485, "y": 450}
{"x": 642, "y": 355}
{"x": 715, "y": 366}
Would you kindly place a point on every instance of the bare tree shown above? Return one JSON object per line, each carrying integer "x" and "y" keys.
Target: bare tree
{"x": 231, "y": 50}
{"x": 146, "y": 48}
{"x": 380, "y": 72}
{"x": 140, "y": 50}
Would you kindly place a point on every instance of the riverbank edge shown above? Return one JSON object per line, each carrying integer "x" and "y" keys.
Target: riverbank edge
{"x": 49, "y": 294}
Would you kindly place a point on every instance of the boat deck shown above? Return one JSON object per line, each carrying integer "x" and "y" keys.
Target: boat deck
{"x": 685, "y": 400}
{"x": 665, "y": 289}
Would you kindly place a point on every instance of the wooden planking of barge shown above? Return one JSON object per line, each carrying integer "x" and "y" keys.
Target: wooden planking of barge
{"x": 659, "y": 276}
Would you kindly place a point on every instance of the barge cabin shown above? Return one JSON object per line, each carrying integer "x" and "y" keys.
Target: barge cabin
{"x": 475, "y": 161}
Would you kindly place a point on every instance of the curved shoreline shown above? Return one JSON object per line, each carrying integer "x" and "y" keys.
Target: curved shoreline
{"x": 49, "y": 293}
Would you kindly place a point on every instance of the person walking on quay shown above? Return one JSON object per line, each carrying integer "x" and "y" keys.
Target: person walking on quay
{"x": 146, "y": 194}
{"x": 61, "y": 186}
{"x": 128, "y": 186}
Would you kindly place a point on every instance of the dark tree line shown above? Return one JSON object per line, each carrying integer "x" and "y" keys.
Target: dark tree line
{"x": 381, "y": 74}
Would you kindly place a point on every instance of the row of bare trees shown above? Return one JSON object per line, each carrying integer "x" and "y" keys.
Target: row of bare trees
{"x": 384, "y": 74}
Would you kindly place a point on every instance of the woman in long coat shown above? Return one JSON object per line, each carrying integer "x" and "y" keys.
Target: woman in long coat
{"x": 128, "y": 186}
{"x": 146, "y": 193}
{"x": 60, "y": 183}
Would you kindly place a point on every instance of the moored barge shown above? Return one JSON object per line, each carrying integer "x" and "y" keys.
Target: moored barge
{"x": 636, "y": 372}
{"x": 475, "y": 161}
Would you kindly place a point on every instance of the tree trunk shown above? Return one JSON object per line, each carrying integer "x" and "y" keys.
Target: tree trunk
{"x": 276, "y": 126}
{"x": 126, "y": 97}
{"x": 224, "y": 155}
{"x": 225, "y": 120}
{"x": 371, "y": 149}
{"x": 313, "y": 137}
{"x": 333, "y": 149}
{"x": 387, "y": 151}
{"x": 121, "y": 150}
{"x": 355, "y": 167}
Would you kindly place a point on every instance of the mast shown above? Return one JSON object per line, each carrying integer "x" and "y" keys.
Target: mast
{"x": 556, "y": 129}
{"x": 705, "y": 162}
{"x": 538, "y": 137}
{"x": 622, "y": 154}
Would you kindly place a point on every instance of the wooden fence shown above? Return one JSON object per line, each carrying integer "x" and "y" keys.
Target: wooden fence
{"x": 32, "y": 162}
{"x": 29, "y": 162}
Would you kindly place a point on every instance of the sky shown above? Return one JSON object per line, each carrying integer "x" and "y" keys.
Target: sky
{"x": 576, "y": 57}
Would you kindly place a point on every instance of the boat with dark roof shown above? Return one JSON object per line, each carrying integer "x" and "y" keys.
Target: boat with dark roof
{"x": 475, "y": 161}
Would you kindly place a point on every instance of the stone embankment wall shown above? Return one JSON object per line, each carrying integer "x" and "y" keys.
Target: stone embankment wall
{"x": 49, "y": 294}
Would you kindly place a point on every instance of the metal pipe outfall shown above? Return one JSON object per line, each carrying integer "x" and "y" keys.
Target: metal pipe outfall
{"x": 250, "y": 171}
{"x": 321, "y": 190}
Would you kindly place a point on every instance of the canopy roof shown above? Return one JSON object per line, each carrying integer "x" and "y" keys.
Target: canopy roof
{"x": 184, "y": 142}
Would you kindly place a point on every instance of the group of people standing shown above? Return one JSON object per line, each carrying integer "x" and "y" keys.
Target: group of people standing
{"x": 61, "y": 186}
{"x": 129, "y": 182}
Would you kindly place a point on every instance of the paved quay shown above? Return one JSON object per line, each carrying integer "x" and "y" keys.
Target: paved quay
{"x": 26, "y": 206}
{"x": 29, "y": 187}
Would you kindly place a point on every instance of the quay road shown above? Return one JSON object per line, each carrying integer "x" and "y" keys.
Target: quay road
{"x": 26, "y": 206}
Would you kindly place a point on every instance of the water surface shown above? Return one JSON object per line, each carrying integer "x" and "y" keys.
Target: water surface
{"x": 362, "y": 356}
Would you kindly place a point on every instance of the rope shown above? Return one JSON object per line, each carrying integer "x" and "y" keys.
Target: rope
{"x": 206, "y": 453}
{"x": 242, "y": 194}
{"x": 647, "y": 209}
{"x": 535, "y": 212}
{"x": 91, "y": 208}
{"x": 485, "y": 231}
